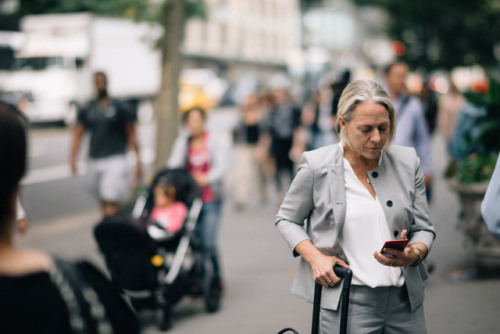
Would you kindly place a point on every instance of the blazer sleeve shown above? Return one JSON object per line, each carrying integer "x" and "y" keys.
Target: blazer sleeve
{"x": 489, "y": 205}
{"x": 297, "y": 206}
{"x": 422, "y": 229}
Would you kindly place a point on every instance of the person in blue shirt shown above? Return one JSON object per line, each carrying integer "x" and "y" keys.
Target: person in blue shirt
{"x": 411, "y": 126}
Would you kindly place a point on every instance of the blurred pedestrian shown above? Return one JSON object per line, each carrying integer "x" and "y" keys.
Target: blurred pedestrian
{"x": 306, "y": 132}
{"x": 318, "y": 117}
{"x": 284, "y": 120}
{"x": 204, "y": 155}
{"x": 449, "y": 106}
{"x": 266, "y": 104}
{"x": 411, "y": 128}
{"x": 40, "y": 294}
{"x": 112, "y": 130}
{"x": 355, "y": 195}
{"x": 250, "y": 165}
{"x": 337, "y": 87}
{"x": 429, "y": 103}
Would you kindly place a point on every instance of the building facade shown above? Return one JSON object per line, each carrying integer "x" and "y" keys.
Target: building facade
{"x": 243, "y": 35}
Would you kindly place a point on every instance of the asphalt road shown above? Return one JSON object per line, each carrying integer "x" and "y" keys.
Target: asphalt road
{"x": 258, "y": 268}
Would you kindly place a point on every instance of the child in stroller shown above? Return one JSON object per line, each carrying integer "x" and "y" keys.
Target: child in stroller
{"x": 156, "y": 269}
{"x": 169, "y": 213}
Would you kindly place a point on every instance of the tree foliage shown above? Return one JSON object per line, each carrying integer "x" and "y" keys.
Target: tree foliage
{"x": 142, "y": 10}
{"x": 114, "y": 8}
{"x": 445, "y": 33}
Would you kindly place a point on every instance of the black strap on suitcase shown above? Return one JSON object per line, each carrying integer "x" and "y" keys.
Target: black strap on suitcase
{"x": 346, "y": 275}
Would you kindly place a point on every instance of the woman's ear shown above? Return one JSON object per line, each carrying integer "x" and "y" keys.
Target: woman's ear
{"x": 342, "y": 123}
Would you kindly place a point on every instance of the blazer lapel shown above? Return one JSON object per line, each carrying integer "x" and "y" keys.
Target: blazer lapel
{"x": 336, "y": 186}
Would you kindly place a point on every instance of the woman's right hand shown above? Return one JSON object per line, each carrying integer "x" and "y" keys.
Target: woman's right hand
{"x": 322, "y": 269}
{"x": 321, "y": 264}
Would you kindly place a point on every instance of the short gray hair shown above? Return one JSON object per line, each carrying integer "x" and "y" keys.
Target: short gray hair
{"x": 361, "y": 91}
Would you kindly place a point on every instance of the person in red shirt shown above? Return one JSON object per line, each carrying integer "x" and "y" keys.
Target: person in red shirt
{"x": 203, "y": 154}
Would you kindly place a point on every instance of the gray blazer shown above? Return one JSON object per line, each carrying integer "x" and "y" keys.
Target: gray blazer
{"x": 317, "y": 195}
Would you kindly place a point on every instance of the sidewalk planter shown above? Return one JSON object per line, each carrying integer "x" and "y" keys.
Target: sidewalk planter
{"x": 475, "y": 148}
{"x": 484, "y": 247}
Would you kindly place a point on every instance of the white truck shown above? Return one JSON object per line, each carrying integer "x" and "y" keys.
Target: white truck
{"x": 54, "y": 65}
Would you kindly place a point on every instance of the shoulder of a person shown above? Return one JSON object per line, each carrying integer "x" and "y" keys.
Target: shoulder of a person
{"x": 86, "y": 107}
{"x": 182, "y": 138}
{"x": 180, "y": 206}
{"x": 121, "y": 106}
{"x": 414, "y": 103}
{"x": 26, "y": 261}
{"x": 321, "y": 157}
{"x": 401, "y": 154}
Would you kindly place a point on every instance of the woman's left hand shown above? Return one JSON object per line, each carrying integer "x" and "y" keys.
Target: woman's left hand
{"x": 201, "y": 179}
{"x": 403, "y": 258}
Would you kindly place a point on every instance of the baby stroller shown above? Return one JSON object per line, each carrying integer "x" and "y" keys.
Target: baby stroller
{"x": 155, "y": 272}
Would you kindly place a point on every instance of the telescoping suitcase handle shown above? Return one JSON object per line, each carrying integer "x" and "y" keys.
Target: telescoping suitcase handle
{"x": 346, "y": 275}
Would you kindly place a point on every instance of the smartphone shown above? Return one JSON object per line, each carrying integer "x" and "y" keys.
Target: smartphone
{"x": 395, "y": 244}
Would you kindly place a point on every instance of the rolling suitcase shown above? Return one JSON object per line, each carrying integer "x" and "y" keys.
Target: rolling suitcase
{"x": 346, "y": 275}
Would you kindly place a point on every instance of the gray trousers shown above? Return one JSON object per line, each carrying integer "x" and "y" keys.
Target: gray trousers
{"x": 383, "y": 310}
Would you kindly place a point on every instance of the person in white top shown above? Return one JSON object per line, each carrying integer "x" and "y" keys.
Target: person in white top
{"x": 354, "y": 196}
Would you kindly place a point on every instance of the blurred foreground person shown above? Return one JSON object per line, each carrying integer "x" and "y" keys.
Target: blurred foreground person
{"x": 39, "y": 294}
{"x": 356, "y": 195}
{"x": 112, "y": 131}
{"x": 204, "y": 155}
{"x": 411, "y": 128}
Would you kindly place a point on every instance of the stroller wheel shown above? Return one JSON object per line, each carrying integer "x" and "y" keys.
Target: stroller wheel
{"x": 165, "y": 318}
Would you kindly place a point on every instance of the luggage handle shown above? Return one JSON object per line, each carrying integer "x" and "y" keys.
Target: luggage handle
{"x": 346, "y": 275}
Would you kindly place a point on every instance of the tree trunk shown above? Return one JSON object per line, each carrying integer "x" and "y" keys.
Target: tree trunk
{"x": 167, "y": 102}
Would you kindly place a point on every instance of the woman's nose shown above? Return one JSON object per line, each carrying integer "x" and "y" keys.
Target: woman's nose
{"x": 375, "y": 136}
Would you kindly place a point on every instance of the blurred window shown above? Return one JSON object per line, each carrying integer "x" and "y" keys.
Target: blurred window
{"x": 39, "y": 63}
{"x": 79, "y": 63}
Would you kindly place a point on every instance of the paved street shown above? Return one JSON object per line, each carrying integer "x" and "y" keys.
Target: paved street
{"x": 258, "y": 268}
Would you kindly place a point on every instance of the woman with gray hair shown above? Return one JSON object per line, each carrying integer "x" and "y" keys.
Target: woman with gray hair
{"x": 345, "y": 202}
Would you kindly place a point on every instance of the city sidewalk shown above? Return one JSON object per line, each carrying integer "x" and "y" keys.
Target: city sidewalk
{"x": 259, "y": 271}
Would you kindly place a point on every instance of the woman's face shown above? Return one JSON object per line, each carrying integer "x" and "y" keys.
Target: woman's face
{"x": 195, "y": 123}
{"x": 368, "y": 130}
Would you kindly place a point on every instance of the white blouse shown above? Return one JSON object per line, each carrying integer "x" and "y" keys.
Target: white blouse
{"x": 365, "y": 231}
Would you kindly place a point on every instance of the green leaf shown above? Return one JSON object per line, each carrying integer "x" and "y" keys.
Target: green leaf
{"x": 493, "y": 92}
{"x": 475, "y": 98}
